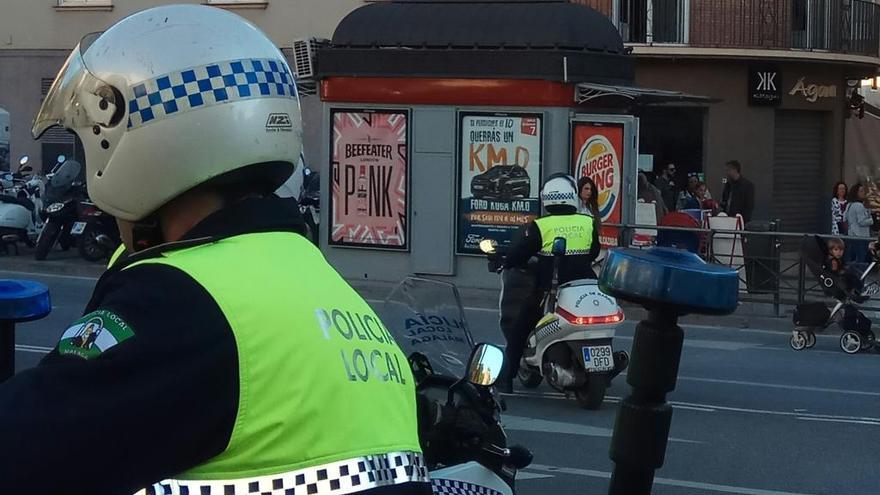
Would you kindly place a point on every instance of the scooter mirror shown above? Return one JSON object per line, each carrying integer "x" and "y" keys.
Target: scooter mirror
{"x": 558, "y": 246}
{"x": 485, "y": 364}
{"x": 488, "y": 246}
{"x": 23, "y": 160}
{"x": 61, "y": 159}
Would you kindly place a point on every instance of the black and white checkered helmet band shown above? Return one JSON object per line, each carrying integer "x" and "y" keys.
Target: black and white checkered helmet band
{"x": 337, "y": 478}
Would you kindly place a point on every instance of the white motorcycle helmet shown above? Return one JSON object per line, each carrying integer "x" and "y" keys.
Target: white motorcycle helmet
{"x": 173, "y": 97}
{"x": 559, "y": 193}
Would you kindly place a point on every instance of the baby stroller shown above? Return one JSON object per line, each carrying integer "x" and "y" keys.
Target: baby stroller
{"x": 847, "y": 290}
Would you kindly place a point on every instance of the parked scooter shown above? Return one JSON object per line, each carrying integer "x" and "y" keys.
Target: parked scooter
{"x": 463, "y": 441}
{"x": 18, "y": 211}
{"x": 571, "y": 346}
{"x": 96, "y": 232}
{"x": 63, "y": 195}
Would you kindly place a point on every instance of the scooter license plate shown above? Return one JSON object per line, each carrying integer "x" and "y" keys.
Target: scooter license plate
{"x": 598, "y": 358}
{"x": 78, "y": 228}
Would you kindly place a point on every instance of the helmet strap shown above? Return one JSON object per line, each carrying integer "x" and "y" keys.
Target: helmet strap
{"x": 146, "y": 233}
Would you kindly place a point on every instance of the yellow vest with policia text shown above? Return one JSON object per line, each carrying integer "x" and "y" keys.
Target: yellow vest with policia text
{"x": 576, "y": 229}
{"x": 327, "y": 399}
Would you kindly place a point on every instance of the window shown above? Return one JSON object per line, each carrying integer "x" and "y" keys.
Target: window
{"x": 239, "y": 4}
{"x": 85, "y": 4}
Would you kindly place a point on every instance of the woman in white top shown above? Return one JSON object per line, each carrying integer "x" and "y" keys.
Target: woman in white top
{"x": 838, "y": 207}
{"x": 859, "y": 222}
{"x": 589, "y": 196}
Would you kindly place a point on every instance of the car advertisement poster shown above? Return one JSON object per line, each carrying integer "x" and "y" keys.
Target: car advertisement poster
{"x": 368, "y": 204}
{"x": 500, "y": 177}
{"x": 597, "y": 152}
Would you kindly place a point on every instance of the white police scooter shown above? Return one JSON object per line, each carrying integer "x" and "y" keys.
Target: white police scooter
{"x": 571, "y": 346}
{"x": 18, "y": 215}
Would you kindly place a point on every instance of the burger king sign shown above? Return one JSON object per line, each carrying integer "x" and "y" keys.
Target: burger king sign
{"x": 597, "y": 153}
{"x": 598, "y": 160}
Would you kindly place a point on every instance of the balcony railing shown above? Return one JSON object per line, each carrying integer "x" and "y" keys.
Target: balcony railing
{"x": 840, "y": 26}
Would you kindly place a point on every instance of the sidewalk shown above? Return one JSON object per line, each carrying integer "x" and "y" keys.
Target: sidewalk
{"x": 749, "y": 315}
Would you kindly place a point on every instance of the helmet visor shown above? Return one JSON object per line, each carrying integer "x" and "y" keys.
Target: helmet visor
{"x": 63, "y": 105}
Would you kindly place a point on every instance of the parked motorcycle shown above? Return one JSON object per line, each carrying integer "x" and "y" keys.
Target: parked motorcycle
{"x": 96, "y": 232}
{"x": 63, "y": 195}
{"x": 464, "y": 444}
{"x": 571, "y": 346}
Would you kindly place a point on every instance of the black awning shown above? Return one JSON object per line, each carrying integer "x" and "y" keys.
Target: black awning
{"x": 587, "y": 92}
{"x": 549, "y": 40}
{"x": 479, "y": 24}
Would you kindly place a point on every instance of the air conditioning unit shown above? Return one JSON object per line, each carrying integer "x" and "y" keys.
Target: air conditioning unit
{"x": 304, "y": 50}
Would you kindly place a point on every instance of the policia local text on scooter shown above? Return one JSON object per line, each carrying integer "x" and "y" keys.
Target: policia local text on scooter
{"x": 204, "y": 362}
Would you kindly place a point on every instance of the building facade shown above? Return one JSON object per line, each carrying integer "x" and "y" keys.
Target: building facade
{"x": 37, "y": 36}
{"x": 782, "y": 72}
{"x": 779, "y": 70}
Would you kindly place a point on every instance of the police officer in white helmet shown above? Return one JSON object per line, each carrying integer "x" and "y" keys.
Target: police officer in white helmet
{"x": 559, "y": 197}
{"x": 207, "y": 360}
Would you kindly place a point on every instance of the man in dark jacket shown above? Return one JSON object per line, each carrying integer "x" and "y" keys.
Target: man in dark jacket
{"x": 666, "y": 185}
{"x": 739, "y": 193}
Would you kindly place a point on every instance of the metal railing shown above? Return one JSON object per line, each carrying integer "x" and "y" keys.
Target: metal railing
{"x": 841, "y": 26}
{"x": 780, "y": 277}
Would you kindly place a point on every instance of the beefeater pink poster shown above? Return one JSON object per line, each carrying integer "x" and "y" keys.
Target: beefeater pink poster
{"x": 369, "y": 178}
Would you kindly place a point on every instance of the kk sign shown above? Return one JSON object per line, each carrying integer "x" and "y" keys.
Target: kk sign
{"x": 765, "y": 86}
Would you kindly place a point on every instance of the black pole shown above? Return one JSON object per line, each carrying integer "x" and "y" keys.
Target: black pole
{"x": 7, "y": 350}
{"x": 641, "y": 431}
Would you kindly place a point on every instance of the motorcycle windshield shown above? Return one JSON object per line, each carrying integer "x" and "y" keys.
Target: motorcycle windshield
{"x": 425, "y": 316}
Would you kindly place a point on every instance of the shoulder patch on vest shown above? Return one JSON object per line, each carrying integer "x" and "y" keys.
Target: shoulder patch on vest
{"x": 93, "y": 334}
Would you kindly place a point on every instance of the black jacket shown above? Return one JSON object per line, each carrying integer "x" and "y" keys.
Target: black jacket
{"x": 572, "y": 267}
{"x": 148, "y": 408}
{"x": 739, "y": 198}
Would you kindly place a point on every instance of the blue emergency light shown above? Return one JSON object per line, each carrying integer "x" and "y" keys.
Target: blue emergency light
{"x": 23, "y": 300}
{"x": 20, "y": 300}
{"x": 665, "y": 277}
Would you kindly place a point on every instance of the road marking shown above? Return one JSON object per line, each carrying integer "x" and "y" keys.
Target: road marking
{"x": 49, "y": 275}
{"x": 590, "y": 473}
{"x": 692, "y": 406}
{"x": 718, "y": 345}
{"x": 534, "y": 425}
{"x": 523, "y": 475}
{"x": 777, "y": 385}
{"x": 774, "y": 413}
{"x": 33, "y": 348}
{"x": 850, "y": 421}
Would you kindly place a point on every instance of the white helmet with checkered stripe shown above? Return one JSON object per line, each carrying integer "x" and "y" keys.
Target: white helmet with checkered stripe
{"x": 559, "y": 190}
{"x": 173, "y": 97}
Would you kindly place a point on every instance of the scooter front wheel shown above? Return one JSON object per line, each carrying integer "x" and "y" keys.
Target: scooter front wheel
{"x": 46, "y": 240}
{"x": 592, "y": 394}
{"x": 528, "y": 377}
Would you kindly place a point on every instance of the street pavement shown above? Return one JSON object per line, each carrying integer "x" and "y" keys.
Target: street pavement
{"x": 751, "y": 417}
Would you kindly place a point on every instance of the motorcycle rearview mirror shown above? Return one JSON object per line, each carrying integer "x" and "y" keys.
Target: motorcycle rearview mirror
{"x": 558, "y": 246}
{"x": 488, "y": 246}
{"x": 485, "y": 365}
{"x": 483, "y": 369}
{"x": 61, "y": 159}
{"x": 23, "y": 160}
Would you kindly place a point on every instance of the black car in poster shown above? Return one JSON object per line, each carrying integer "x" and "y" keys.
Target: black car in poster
{"x": 502, "y": 182}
